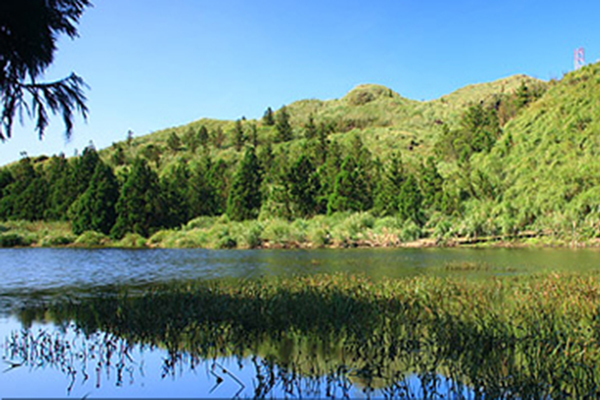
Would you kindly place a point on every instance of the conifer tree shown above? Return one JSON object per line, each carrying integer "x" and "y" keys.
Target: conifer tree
{"x": 238, "y": 135}
{"x": 173, "y": 141}
{"x": 268, "y": 118}
{"x": 350, "y": 191}
{"x": 304, "y": 187}
{"x": 410, "y": 201}
{"x": 174, "y": 186}
{"x": 95, "y": 210}
{"x": 83, "y": 169}
{"x": 61, "y": 188}
{"x": 282, "y": 125}
{"x": 431, "y": 185}
{"x": 245, "y": 197}
{"x": 140, "y": 208}
{"x": 310, "y": 129}
{"x": 201, "y": 194}
{"x": 218, "y": 137}
{"x": 386, "y": 201}
{"x": 20, "y": 200}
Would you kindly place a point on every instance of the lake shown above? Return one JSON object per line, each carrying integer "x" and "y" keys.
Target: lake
{"x": 67, "y": 323}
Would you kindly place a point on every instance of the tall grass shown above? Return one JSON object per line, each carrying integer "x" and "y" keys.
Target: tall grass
{"x": 527, "y": 337}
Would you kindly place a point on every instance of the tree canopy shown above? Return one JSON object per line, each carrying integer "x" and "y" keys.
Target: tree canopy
{"x": 29, "y": 31}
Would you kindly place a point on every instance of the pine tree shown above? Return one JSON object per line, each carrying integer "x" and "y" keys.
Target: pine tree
{"x": 410, "y": 201}
{"x": 268, "y": 119}
{"x": 218, "y": 137}
{"x": 84, "y": 168}
{"x": 253, "y": 135}
{"x": 310, "y": 129}
{"x": 282, "y": 126}
{"x": 174, "y": 142}
{"x": 174, "y": 186}
{"x": 431, "y": 185}
{"x": 238, "y": 135}
{"x": 386, "y": 201}
{"x": 304, "y": 187}
{"x": 245, "y": 197}
{"x": 95, "y": 210}
{"x": 350, "y": 191}
{"x": 201, "y": 194}
{"x": 140, "y": 208}
{"x": 61, "y": 188}
{"x": 24, "y": 197}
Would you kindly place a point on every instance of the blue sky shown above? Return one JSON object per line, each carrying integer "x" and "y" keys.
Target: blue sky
{"x": 153, "y": 64}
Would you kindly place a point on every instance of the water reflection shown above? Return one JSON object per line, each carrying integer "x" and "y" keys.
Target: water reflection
{"x": 263, "y": 340}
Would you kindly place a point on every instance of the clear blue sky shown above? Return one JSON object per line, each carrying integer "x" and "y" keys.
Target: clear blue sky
{"x": 153, "y": 64}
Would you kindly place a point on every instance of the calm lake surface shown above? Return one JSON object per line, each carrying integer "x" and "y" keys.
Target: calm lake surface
{"x": 60, "y": 359}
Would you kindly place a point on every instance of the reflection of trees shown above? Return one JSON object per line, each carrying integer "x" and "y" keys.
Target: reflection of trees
{"x": 319, "y": 336}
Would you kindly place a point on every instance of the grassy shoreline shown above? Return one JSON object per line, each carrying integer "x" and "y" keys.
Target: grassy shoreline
{"x": 339, "y": 231}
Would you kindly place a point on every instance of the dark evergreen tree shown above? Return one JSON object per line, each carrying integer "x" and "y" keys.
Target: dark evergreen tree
{"x": 118, "y": 157}
{"x": 174, "y": 142}
{"x": 432, "y": 185}
{"x": 386, "y": 201}
{"x": 152, "y": 153}
{"x": 268, "y": 118}
{"x": 310, "y": 129}
{"x": 238, "y": 135}
{"x": 218, "y": 137}
{"x": 245, "y": 196}
{"x": 62, "y": 188}
{"x": 29, "y": 32}
{"x": 410, "y": 201}
{"x": 267, "y": 160}
{"x": 253, "y": 135}
{"x": 94, "y": 210}
{"x": 203, "y": 136}
{"x": 26, "y": 197}
{"x": 6, "y": 178}
{"x": 219, "y": 179}
{"x": 174, "y": 187}
{"x": 202, "y": 195}
{"x": 140, "y": 208}
{"x": 191, "y": 139}
{"x": 283, "y": 126}
{"x": 83, "y": 169}
{"x": 304, "y": 187}
{"x": 350, "y": 191}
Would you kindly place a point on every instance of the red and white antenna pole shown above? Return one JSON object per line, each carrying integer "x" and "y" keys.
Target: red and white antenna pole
{"x": 579, "y": 58}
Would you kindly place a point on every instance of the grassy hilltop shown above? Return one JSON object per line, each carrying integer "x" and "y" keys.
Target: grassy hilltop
{"x": 513, "y": 159}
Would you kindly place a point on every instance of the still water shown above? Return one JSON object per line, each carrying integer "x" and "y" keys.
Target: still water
{"x": 69, "y": 355}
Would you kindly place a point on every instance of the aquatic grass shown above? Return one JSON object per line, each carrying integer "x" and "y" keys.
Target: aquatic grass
{"x": 534, "y": 336}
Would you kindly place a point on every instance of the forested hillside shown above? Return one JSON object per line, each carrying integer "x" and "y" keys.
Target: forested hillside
{"x": 490, "y": 160}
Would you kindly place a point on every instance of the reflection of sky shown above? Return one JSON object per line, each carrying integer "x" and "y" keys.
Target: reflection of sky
{"x": 144, "y": 376}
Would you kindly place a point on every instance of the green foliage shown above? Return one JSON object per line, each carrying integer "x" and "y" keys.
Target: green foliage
{"x": 410, "y": 201}
{"x": 239, "y": 138}
{"x": 431, "y": 185}
{"x": 283, "y": 126}
{"x": 245, "y": 197}
{"x": 386, "y": 200}
{"x": 92, "y": 239}
{"x": 268, "y": 118}
{"x": 174, "y": 142}
{"x": 350, "y": 191}
{"x": 304, "y": 187}
{"x": 95, "y": 209}
{"x": 140, "y": 207}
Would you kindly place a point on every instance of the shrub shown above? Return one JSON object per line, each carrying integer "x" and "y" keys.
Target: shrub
{"x": 92, "y": 239}
{"x": 132, "y": 240}
{"x": 13, "y": 240}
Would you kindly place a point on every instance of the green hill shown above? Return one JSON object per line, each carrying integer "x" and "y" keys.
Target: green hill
{"x": 507, "y": 159}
